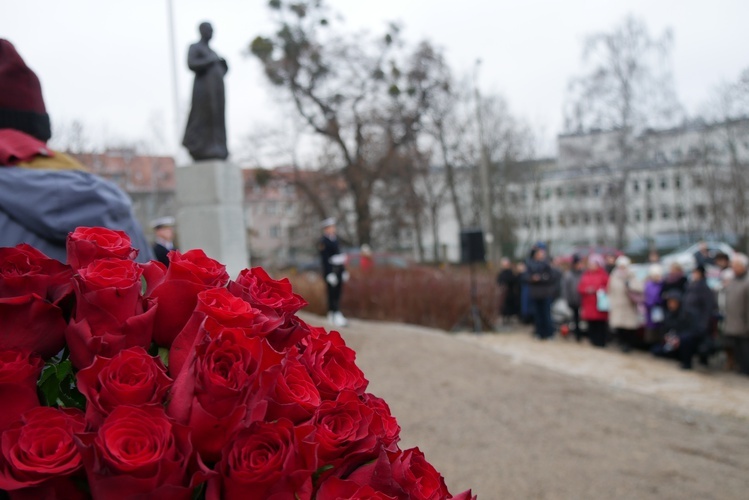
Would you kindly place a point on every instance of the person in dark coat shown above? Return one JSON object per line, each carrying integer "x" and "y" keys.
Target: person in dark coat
{"x": 701, "y": 301}
{"x": 509, "y": 289}
{"x": 541, "y": 289}
{"x": 571, "y": 294}
{"x": 674, "y": 280}
{"x": 163, "y": 229}
{"x": 333, "y": 270}
{"x": 682, "y": 335}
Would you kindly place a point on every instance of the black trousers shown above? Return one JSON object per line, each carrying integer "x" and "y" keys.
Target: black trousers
{"x": 597, "y": 332}
{"x": 334, "y": 296}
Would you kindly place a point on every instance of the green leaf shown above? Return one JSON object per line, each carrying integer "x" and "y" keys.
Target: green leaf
{"x": 49, "y": 388}
{"x": 64, "y": 369}
{"x": 164, "y": 355}
{"x": 319, "y": 472}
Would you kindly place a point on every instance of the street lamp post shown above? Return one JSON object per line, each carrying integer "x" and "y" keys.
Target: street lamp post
{"x": 486, "y": 208}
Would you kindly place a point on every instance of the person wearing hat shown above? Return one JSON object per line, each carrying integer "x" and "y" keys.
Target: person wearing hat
{"x": 625, "y": 294}
{"x": 163, "y": 229}
{"x": 45, "y": 194}
{"x": 333, "y": 270}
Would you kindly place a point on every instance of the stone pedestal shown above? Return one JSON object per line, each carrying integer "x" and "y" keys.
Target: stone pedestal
{"x": 210, "y": 215}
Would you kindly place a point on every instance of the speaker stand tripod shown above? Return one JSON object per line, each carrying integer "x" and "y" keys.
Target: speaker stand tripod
{"x": 473, "y": 316}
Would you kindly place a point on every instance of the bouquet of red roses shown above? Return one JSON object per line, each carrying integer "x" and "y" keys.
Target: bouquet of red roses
{"x": 127, "y": 380}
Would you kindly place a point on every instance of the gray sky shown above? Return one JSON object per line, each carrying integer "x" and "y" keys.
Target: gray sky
{"x": 107, "y": 63}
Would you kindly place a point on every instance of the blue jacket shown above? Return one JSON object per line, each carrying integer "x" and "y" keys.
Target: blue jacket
{"x": 40, "y": 207}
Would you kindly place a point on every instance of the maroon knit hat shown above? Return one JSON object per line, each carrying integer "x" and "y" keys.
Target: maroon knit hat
{"x": 21, "y": 103}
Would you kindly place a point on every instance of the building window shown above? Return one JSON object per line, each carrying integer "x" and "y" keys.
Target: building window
{"x": 680, "y": 213}
{"x": 596, "y": 190}
{"x": 599, "y": 218}
{"x": 537, "y": 222}
{"x": 559, "y": 192}
{"x": 700, "y": 211}
{"x": 677, "y": 182}
{"x": 664, "y": 183}
{"x": 586, "y": 218}
{"x": 649, "y": 184}
{"x": 584, "y": 191}
{"x": 571, "y": 192}
{"x": 547, "y": 193}
{"x": 274, "y": 232}
{"x": 549, "y": 221}
{"x": 636, "y": 186}
{"x": 638, "y": 215}
{"x": 573, "y": 219}
{"x": 612, "y": 216}
{"x": 562, "y": 221}
{"x": 649, "y": 214}
{"x": 665, "y": 213}
{"x": 697, "y": 180}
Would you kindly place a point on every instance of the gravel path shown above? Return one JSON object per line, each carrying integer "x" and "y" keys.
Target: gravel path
{"x": 511, "y": 417}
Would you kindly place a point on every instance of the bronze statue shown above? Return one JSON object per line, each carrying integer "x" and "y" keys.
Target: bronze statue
{"x": 205, "y": 134}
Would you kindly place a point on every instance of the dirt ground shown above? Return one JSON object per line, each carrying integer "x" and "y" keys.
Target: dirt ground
{"x": 511, "y": 417}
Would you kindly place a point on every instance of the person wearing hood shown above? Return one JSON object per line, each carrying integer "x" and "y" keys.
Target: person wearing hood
{"x": 46, "y": 194}
{"x": 625, "y": 293}
{"x": 681, "y": 333}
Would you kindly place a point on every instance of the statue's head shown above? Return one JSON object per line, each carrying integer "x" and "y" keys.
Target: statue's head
{"x": 206, "y": 31}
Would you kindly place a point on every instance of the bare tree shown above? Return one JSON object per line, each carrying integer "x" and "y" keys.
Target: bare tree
{"x": 626, "y": 88}
{"x": 365, "y": 97}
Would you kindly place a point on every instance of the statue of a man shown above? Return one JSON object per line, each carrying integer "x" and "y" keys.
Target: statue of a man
{"x": 205, "y": 134}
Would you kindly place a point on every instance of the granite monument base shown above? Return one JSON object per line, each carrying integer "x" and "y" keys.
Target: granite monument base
{"x": 210, "y": 215}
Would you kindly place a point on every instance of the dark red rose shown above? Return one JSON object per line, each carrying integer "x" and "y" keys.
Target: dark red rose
{"x": 227, "y": 310}
{"x": 212, "y": 391}
{"x": 132, "y": 377}
{"x": 19, "y": 371}
{"x": 31, "y": 323}
{"x": 343, "y": 433}
{"x": 39, "y": 455}
{"x": 139, "y": 452}
{"x": 384, "y": 424}
{"x": 188, "y": 274}
{"x": 110, "y": 313}
{"x": 289, "y": 391}
{"x": 289, "y": 334}
{"x": 266, "y": 460}
{"x": 24, "y": 270}
{"x": 419, "y": 478}
{"x": 335, "y": 488}
{"x": 332, "y": 365}
{"x": 256, "y": 287}
{"x": 87, "y": 244}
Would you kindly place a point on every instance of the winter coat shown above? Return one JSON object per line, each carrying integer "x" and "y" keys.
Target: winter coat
{"x": 674, "y": 282}
{"x": 701, "y": 302}
{"x": 651, "y": 300}
{"x": 590, "y": 283}
{"x": 680, "y": 322}
{"x": 622, "y": 309}
{"x": 570, "y": 282}
{"x": 736, "y": 322}
{"x": 40, "y": 207}
{"x": 545, "y": 286}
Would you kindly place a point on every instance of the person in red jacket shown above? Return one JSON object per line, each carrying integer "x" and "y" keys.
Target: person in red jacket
{"x": 594, "y": 278}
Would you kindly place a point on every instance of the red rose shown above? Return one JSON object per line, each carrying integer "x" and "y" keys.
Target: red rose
{"x": 87, "y": 244}
{"x": 289, "y": 391}
{"x": 132, "y": 377}
{"x": 334, "y": 488}
{"x": 212, "y": 391}
{"x": 343, "y": 433}
{"x": 289, "y": 333}
{"x": 384, "y": 424}
{"x": 30, "y": 323}
{"x": 266, "y": 460}
{"x": 227, "y": 310}
{"x": 188, "y": 274}
{"x": 19, "y": 372}
{"x": 24, "y": 270}
{"x": 110, "y": 314}
{"x": 419, "y": 478}
{"x": 256, "y": 287}
{"x": 138, "y": 452}
{"x": 332, "y": 365}
{"x": 39, "y": 454}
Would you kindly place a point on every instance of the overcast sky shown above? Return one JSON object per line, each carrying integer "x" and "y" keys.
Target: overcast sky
{"x": 108, "y": 63}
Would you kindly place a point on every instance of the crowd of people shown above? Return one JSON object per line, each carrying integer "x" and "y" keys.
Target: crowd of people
{"x": 602, "y": 299}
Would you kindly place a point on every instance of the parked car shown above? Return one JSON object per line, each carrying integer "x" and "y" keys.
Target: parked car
{"x": 685, "y": 256}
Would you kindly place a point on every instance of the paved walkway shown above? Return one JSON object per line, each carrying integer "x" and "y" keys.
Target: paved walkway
{"x": 512, "y": 417}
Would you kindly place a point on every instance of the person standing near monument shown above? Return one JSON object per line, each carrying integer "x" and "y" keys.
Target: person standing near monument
{"x": 163, "y": 229}
{"x": 333, "y": 270}
{"x": 205, "y": 134}
{"x": 46, "y": 194}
